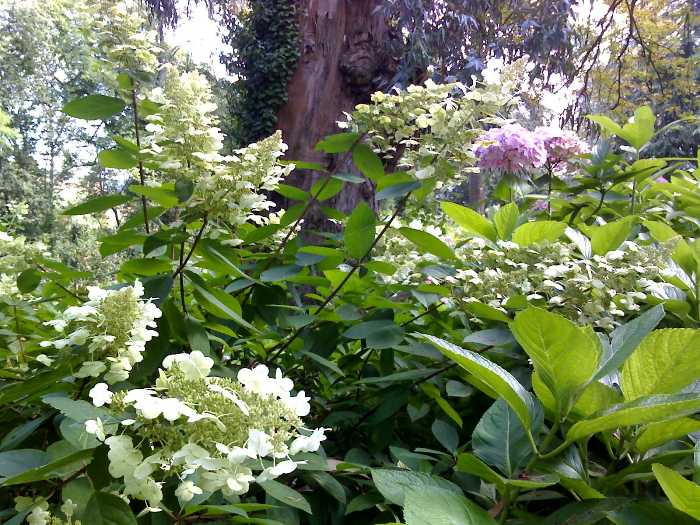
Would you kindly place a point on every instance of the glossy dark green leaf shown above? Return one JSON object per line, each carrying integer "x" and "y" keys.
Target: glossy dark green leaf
{"x": 286, "y": 495}
{"x": 145, "y": 266}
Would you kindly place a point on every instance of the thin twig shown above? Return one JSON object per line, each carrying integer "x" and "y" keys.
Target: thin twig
{"x": 185, "y": 260}
{"x": 142, "y": 176}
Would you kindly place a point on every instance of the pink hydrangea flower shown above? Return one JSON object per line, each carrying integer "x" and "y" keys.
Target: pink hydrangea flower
{"x": 560, "y": 144}
{"x": 511, "y": 149}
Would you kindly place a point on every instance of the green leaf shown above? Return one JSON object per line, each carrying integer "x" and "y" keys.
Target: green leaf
{"x": 427, "y": 242}
{"x": 15, "y": 462}
{"x": 437, "y": 506}
{"x": 607, "y": 124}
{"x": 120, "y": 241}
{"x": 664, "y": 362}
{"x": 493, "y": 376}
{"x": 501, "y": 441}
{"x": 378, "y": 334}
{"x": 116, "y": 158}
{"x": 683, "y": 494}
{"x": 538, "y": 232}
{"x": 164, "y": 196}
{"x": 626, "y": 338}
{"x": 330, "y": 189}
{"x": 196, "y": 335}
{"x": 145, "y": 266}
{"x": 657, "y": 434}
{"x": 564, "y": 355}
{"x": 367, "y": 161}
{"x": 279, "y": 273}
{"x": 648, "y": 513}
{"x": 397, "y": 190}
{"x": 108, "y": 509}
{"x": 395, "y": 485}
{"x": 55, "y": 469}
{"x": 286, "y": 495}
{"x": 292, "y": 192}
{"x": 506, "y": 220}
{"x": 609, "y": 236}
{"x": 330, "y": 485}
{"x": 649, "y": 409}
{"x": 337, "y": 143}
{"x": 98, "y": 204}
{"x": 215, "y": 299}
{"x": 446, "y": 435}
{"x": 21, "y": 432}
{"x": 469, "y": 220}
{"x": 640, "y": 131}
{"x": 28, "y": 280}
{"x": 360, "y": 231}
{"x": 94, "y": 107}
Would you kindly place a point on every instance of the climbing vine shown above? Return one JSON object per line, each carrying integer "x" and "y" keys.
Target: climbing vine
{"x": 265, "y": 42}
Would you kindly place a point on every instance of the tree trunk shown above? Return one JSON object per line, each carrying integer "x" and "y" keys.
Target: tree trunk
{"x": 343, "y": 58}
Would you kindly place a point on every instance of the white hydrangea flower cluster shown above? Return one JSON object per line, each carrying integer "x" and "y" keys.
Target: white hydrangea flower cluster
{"x": 184, "y": 139}
{"x": 424, "y": 122}
{"x": 40, "y": 514}
{"x": 236, "y": 190}
{"x": 17, "y": 254}
{"x": 123, "y": 41}
{"x": 601, "y": 290}
{"x": 210, "y": 433}
{"x": 184, "y": 134}
{"x": 115, "y": 324}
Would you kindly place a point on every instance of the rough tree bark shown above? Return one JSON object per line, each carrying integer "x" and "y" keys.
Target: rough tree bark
{"x": 342, "y": 60}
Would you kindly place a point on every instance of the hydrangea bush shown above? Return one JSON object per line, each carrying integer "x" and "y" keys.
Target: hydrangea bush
{"x": 427, "y": 364}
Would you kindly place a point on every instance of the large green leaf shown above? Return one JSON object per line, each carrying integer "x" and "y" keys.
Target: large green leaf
{"x": 506, "y": 220}
{"x": 469, "y": 220}
{"x": 664, "y": 362}
{"x": 116, "y": 158}
{"x": 94, "y": 107}
{"x": 145, "y": 266}
{"x": 649, "y": 409}
{"x": 626, "y": 338}
{"x": 493, "y": 376}
{"x": 70, "y": 462}
{"x": 637, "y": 133}
{"x": 500, "y": 439}
{"x": 286, "y": 495}
{"x": 427, "y": 242}
{"x": 337, "y": 143}
{"x": 538, "y": 232}
{"x": 98, "y": 204}
{"x": 108, "y": 509}
{"x": 395, "y": 485}
{"x": 437, "y": 506}
{"x": 656, "y": 434}
{"x": 378, "y": 334}
{"x": 684, "y": 494}
{"x": 163, "y": 195}
{"x": 367, "y": 162}
{"x": 360, "y": 231}
{"x": 564, "y": 355}
{"x": 609, "y": 236}
{"x": 649, "y": 513}
{"x": 227, "y": 306}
